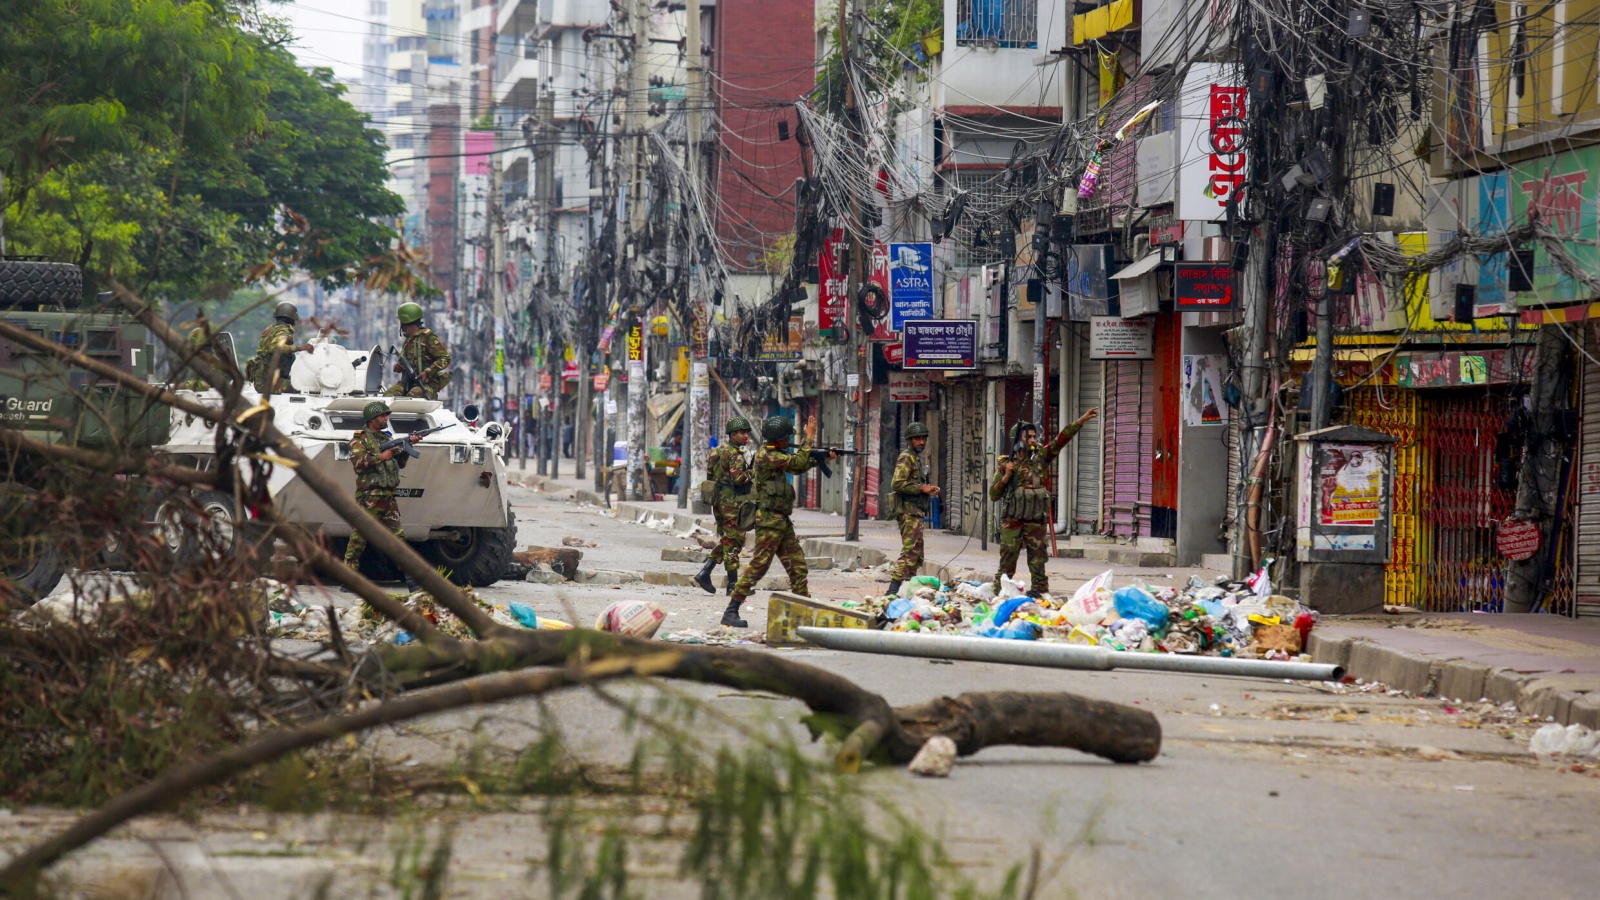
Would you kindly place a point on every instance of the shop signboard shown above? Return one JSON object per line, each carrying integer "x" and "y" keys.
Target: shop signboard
{"x": 910, "y": 283}
{"x": 941, "y": 344}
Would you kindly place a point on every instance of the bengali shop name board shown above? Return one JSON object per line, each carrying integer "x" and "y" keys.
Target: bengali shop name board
{"x": 1111, "y": 337}
{"x": 940, "y": 344}
{"x": 1208, "y": 286}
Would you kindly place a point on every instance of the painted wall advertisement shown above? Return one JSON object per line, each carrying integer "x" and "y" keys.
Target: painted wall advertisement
{"x": 1350, "y": 485}
{"x": 1211, "y": 142}
{"x": 1114, "y": 338}
{"x": 1202, "y": 390}
{"x": 910, "y": 283}
{"x": 941, "y": 344}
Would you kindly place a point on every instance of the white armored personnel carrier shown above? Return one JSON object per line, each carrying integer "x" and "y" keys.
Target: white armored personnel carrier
{"x": 453, "y": 500}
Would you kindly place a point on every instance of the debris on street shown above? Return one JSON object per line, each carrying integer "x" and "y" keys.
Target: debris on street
{"x": 936, "y": 758}
{"x": 1555, "y": 743}
{"x": 1228, "y": 619}
{"x": 573, "y": 541}
{"x": 635, "y": 618}
{"x": 719, "y": 636}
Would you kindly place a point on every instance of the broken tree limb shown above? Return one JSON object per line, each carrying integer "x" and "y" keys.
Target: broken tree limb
{"x": 110, "y": 463}
{"x": 261, "y": 428}
{"x": 180, "y": 782}
{"x": 975, "y": 721}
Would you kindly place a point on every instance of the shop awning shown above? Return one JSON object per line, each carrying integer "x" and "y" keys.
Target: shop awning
{"x": 1142, "y": 267}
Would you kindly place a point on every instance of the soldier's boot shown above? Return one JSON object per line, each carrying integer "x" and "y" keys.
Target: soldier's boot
{"x": 733, "y": 579}
{"x": 703, "y": 577}
{"x": 1036, "y": 595}
{"x": 730, "y": 616}
{"x": 411, "y": 584}
{"x": 894, "y": 588}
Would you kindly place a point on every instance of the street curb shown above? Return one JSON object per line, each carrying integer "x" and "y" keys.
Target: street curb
{"x": 1566, "y": 699}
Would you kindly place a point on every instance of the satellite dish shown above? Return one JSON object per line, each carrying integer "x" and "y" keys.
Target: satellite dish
{"x": 376, "y": 362}
{"x": 325, "y": 370}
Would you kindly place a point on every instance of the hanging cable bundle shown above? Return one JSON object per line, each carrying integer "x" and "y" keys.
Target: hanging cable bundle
{"x": 873, "y": 303}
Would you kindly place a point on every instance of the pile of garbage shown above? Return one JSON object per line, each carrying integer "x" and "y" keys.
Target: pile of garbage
{"x": 1230, "y": 618}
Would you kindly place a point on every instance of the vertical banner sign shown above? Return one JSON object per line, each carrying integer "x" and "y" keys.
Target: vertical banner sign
{"x": 635, "y": 346}
{"x": 879, "y": 275}
{"x": 1211, "y": 145}
{"x": 869, "y": 500}
{"x": 910, "y": 283}
{"x": 833, "y": 294}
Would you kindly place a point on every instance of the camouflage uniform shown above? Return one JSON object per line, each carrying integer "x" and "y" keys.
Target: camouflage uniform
{"x": 427, "y": 355}
{"x": 728, "y": 468}
{"x": 377, "y": 480}
{"x": 909, "y": 477}
{"x": 774, "y": 531}
{"x": 199, "y": 341}
{"x": 276, "y": 340}
{"x": 1025, "y": 513}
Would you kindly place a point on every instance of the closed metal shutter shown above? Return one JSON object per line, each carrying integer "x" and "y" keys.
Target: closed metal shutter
{"x": 1586, "y": 539}
{"x": 1129, "y": 446}
{"x": 833, "y": 427}
{"x": 1086, "y": 457}
{"x": 1235, "y": 475}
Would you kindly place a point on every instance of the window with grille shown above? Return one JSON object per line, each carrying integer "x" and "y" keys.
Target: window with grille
{"x": 977, "y": 236}
{"x": 997, "y": 23}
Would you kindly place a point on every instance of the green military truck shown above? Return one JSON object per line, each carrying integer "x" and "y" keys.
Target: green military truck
{"x": 52, "y": 403}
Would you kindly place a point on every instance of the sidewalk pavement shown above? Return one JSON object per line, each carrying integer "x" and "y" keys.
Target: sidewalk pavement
{"x": 1549, "y": 666}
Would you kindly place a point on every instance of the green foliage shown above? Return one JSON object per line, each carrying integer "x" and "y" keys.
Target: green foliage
{"x": 886, "y": 48}
{"x": 170, "y": 147}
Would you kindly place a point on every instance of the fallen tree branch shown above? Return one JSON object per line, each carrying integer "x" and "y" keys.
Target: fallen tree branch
{"x": 176, "y": 784}
{"x": 260, "y": 426}
{"x": 110, "y": 463}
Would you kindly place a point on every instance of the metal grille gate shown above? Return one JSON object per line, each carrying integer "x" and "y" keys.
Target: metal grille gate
{"x": 1446, "y": 497}
{"x": 1129, "y": 446}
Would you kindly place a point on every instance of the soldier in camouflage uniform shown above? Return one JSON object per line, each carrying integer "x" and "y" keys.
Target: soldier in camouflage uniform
{"x": 269, "y": 370}
{"x": 199, "y": 342}
{"x": 425, "y": 352}
{"x": 1021, "y": 482}
{"x": 911, "y": 492}
{"x": 774, "y": 503}
{"x": 728, "y": 468}
{"x": 377, "y": 477}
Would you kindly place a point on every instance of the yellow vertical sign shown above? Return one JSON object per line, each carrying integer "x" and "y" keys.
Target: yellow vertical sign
{"x": 635, "y": 345}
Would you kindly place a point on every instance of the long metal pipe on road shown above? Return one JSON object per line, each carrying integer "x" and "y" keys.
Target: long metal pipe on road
{"x": 1057, "y": 656}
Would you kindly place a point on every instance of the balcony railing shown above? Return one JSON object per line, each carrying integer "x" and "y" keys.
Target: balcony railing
{"x": 1010, "y": 24}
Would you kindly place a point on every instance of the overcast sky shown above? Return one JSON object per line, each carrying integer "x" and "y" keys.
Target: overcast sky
{"x": 328, "y": 34}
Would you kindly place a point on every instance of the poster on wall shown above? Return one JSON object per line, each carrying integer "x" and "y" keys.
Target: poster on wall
{"x": 1202, "y": 390}
{"x": 1350, "y": 485}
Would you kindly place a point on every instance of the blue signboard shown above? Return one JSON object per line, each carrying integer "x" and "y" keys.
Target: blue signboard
{"x": 910, "y": 283}
{"x": 941, "y": 344}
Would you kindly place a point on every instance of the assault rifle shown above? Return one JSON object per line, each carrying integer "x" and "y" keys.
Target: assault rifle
{"x": 403, "y": 442}
{"x": 822, "y": 457}
{"x": 409, "y": 378}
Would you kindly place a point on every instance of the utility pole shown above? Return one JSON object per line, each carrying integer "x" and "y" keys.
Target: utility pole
{"x": 860, "y": 346}
{"x": 497, "y": 286}
{"x": 634, "y": 163}
{"x": 697, "y": 445}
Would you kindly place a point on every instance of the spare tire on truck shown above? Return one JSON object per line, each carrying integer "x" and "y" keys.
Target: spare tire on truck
{"x": 29, "y": 283}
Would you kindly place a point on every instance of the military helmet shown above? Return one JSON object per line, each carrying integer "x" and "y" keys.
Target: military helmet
{"x": 410, "y": 312}
{"x": 1019, "y": 428}
{"x": 287, "y": 310}
{"x": 916, "y": 429}
{"x": 373, "y": 410}
{"x": 776, "y": 429}
{"x": 739, "y": 423}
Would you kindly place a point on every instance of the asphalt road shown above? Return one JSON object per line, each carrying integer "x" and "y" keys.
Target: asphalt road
{"x": 1262, "y": 788}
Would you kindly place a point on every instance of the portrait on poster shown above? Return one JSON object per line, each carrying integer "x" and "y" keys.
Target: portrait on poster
{"x": 1202, "y": 390}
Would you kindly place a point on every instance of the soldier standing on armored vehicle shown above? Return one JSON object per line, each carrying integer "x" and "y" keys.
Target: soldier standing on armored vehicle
{"x": 774, "y": 504}
{"x": 1021, "y": 481}
{"x": 426, "y": 354}
{"x": 911, "y": 492}
{"x": 275, "y": 353}
{"x": 733, "y": 478}
{"x": 377, "y": 477}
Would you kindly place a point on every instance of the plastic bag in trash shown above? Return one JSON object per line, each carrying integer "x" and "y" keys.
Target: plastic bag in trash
{"x": 1137, "y": 603}
{"x": 1553, "y": 742}
{"x": 899, "y": 608}
{"x": 1261, "y": 583}
{"x": 974, "y": 592}
{"x": 524, "y": 615}
{"x": 1130, "y": 631}
{"x": 1010, "y": 587}
{"x": 639, "y": 618}
{"x": 1008, "y": 608}
{"x": 1019, "y": 630}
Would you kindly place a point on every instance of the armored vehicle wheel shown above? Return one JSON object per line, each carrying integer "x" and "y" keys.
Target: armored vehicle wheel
{"x": 475, "y": 556}
{"x": 31, "y": 564}
{"x": 26, "y": 284}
